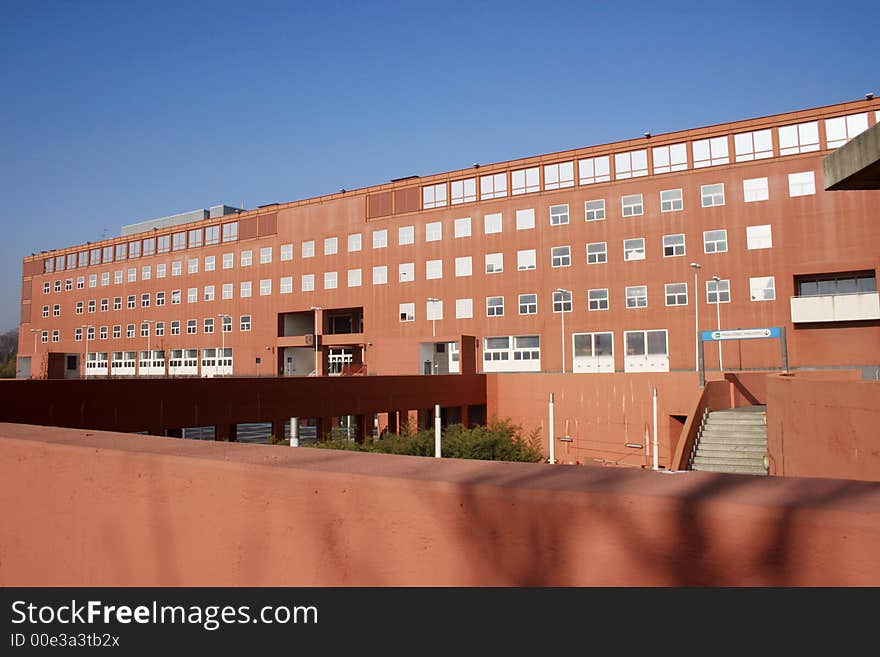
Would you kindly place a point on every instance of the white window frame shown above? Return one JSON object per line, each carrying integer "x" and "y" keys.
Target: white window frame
{"x": 759, "y": 286}
{"x": 595, "y": 299}
{"x": 406, "y": 235}
{"x": 406, "y": 272}
{"x": 526, "y": 260}
{"x": 601, "y": 257}
{"x": 632, "y": 164}
{"x": 525, "y": 181}
{"x": 759, "y": 237}
{"x": 594, "y": 210}
{"x": 464, "y": 309}
{"x": 463, "y": 266}
{"x": 495, "y": 306}
{"x": 529, "y": 301}
{"x": 380, "y": 275}
{"x": 754, "y": 145}
{"x": 354, "y": 242}
{"x": 720, "y": 287}
{"x": 434, "y": 231}
{"x": 707, "y": 241}
{"x": 667, "y": 159}
{"x": 755, "y": 189}
{"x": 493, "y": 223}
{"x": 560, "y": 256}
{"x": 558, "y": 175}
{"x": 462, "y": 227}
{"x": 802, "y": 183}
{"x": 559, "y": 214}
{"x": 463, "y": 191}
{"x": 493, "y": 186}
{"x": 711, "y": 196}
{"x": 525, "y": 219}
{"x": 433, "y": 270}
{"x": 331, "y": 280}
{"x": 434, "y": 196}
{"x": 636, "y": 297}
{"x": 354, "y": 277}
{"x": 674, "y": 292}
{"x": 494, "y": 263}
{"x": 592, "y": 170}
{"x": 380, "y": 239}
{"x": 798, "y": 138}
{"x": 634, "y": 249}
{"x": 710, "y": 152}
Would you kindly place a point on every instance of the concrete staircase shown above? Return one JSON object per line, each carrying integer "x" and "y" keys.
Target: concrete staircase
{"x": 733, "y": 441}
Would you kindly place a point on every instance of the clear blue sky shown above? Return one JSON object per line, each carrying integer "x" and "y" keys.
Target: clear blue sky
{"x": 114, "y": 112}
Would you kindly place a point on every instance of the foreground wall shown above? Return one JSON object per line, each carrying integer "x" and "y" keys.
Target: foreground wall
{"x": 92, "y": 508}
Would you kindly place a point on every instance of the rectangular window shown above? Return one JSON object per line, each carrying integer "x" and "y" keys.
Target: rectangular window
{"x": 354, "y": 243}
{"x": 712, "y": 195}
{"x": 380, "y": 275}
{"x": 597, "y": 253}
{"x": 594, "y": 170}
{"x": 105, "y": 280}
{"x": 163, "y": 243}
{"x": 244, "y": 289}
{"x": 594, "y": 210}
{"x": 525, "y": 181}
{"x": 637, "y": 296}
{"x": 670, "y": 158}
{"x": 287, "y": 250}
{"x": 117, "y": 303}
{"x": 718, "y": 291}
{"x": 528, "y": 304}
{"x": 192, "y": 295}
{"x": 464, "y": 308}
{"x": 56, "y": 309}
{"x": 464, "y": 191}
{"x": 645, "y": 343}
{"x": 434, "y": 231}
{"x": 494, "y": 306}
{"x": 493, "y": 186}
{"x": 597, "y": 299}
{"x": 759, "y": 237}
{"x": 212, "y": 235}
{"x": 208, "y": 326}
{"x": 433, "y": 270}
{"x": 840, "y": 130}
{"x": 525, "y": 219}
{"x": 80, "y": 282}
{"x": 673, "y": 245}
{"x": 131, "y": 277}
{"x": 90, "y": 332}
{"x": 57, "y": 285}
{"x": 331, "y": 246}
{"x": 192, "y": 266}
{"x": 407, "y": 312}
{"x": 560, "y": 256}
{"x": 676, "y": 294}
{"x": 191, "y": 327}
{"x": 79, "y": 308}
{"x": 94, "y": 257}
{"x": 82, "y": 259}
{"x": 245, "y": 258}
{"x": 266, "y": 287}
{"x": 131, "y": 302}
{"x": 715, "y": 241}
{"x": 46, "y": 310}
{"x": 129, "y": 331}
{"x": 244, "y": 323}
{"x": 134, "y": 249}
{"x": 710, "y": 152}
{"x": 145, "y": 300}
{"x": 558, "y": 214}
{"x": 307, "y": 282}
{"x": 226, "y": 324}
{"x": 108, "y": 254}
{"x": 406, "y": 235}
{"x": 757, "y": 145}
{"x": 145, "y": 329}
{"x": 176, "y": 268}
{"x": 434, "y": 196}
{"x": 121, "y": 252}
{"x": 562, "y": 301}
{"x": 160, "y": 298}
{"x": 406, "y": 272}
{"x": 175, "y": 297}
{"x": 526, "y": 260}
{"x": 631, "y": 205}
{"x": 175, "y": 327}
{"x": 558, "y": 176}
{"x": 330, "y": 280}
{"x": 179, "y": 241}
{"x": 433, "y": 309}
{"x": 593, "y": 352}
{"x": 160, "y": 329}
{"x": 286, "y": 285}
{"x": 380, "y": 239}
{"x": 354, "y": 278}
{"x": 463, "y": 227}
{"x": 117, "y": 331}
{"x": 762, "y": 288}
{"x": 210, "y": 263}
{"x": 93, "y": 280}
{"x": 68, "y": 285}
{"x": 463, "y": 266}
{"x": 492, "y": 223}
{"x": 671, "y": 200}
{"x": 230, "y": 232}
{"x": 209, "y": 293}
{"x": 801, "y": 184}
{"x": 78, "y": 334}
{"x": 755, "y": 189}
{"x": 631, "y": 165}
{"x": 858, "y": 282}
{"x": 494, "y": 263}
{"x": 308, "y": 249}
{"x": 228, "y": 261}
{"x": 266, "y": 252}
{"x": 102, "y": 334}
{"x": 226, "y": 291}
{"x": 195, "y": 238}
{"x": 634, "y": 249}
{"x": 800, "y": 138}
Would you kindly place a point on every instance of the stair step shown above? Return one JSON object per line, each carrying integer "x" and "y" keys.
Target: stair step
{"x": 711, "y": 426}
{"x": 731, "y": 469}
{"x": 714, "y": 439}
{"x": 747, "y": 421}
{"x": 747, "y": 448}
{"x": 731, "y": 459}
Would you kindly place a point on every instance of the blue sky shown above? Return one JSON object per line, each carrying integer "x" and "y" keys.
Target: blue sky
{"x": 115, "y": 112}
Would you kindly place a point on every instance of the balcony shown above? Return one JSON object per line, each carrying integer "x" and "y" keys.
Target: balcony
{"x": 835, "y": 308}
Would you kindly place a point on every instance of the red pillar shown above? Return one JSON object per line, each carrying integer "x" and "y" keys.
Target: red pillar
{"x": 464, "y": 416}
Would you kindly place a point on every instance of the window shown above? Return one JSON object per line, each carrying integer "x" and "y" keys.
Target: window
{"x": 433, "y": 310}
{"x": 79, "y": 308}
{"x": 406, "y": 272}
{"x": 464, "y": 191}
{"x": 179, "y": 241}
{"x": 117, "y": 331}
{"x": 354, "y": 244}
{"x": 163, "y": 243}
{"x": 594, "y": 170}
{"x": 230, "y": 231}
{"x": 80, "y": 282}
{"x": 266, "y": 254}
{"x": 266, "y": 286}
{"x": 464, "y": 308}
{"x": 208, "y": 326}
{"x": 56, "y": 335}
{"x": 192, "y": 266}
{"x": 308, "y": 282}
{"x": 145, "y": 329}
{"x": 715, "y": 241}
{"x": 671, "y": 200}
{"x": 670, "y": 158}
{"x": 56, "y": 309}
{"x": 212, "y": 235}
{"x": 108, "y": 254}
{"x": 195, "y": 238}
{"x": 102, "y": 334}
{"x": 594, "y": 210}
{"x": 145, "y": 300}
{"x": 434, "y": 196}
{"x": 800, "y": 138}
{"x": 210, "y": 263}
{"x": 593, "y": 352}
{"x": 492, "y": 223}
{"x": 380, "y": 239}
{"x": 755, "y": 189}
{"x": 631, "y": 165}
{"x": 57, "y": 286}
{"x": 244, "y": 323}
{"x": 117, "y": 303}
{"x": 494, "y": 263}
{"x": 286, "y": 285}
{"x": 710, "y": 152}
{"x": 463, "y": 266}
{"x": 354, "y": 278}
{"x": 47, "y": 287}
{"x": 406, "y": 235}
{"x": 558, "y": 214}
{"x": 562, "y": 302}
{"x": 82, "y": 259}
{"x": 463, "y": 227}
{"x": 92, "y": 305}
{"x": 858, "y": 282}
{"x": 129, "y": 331}
{"x": 525, "y": 181}
{"x": 131, "y": 302}
{"x": 308, "y": 249}
{"x": 493, "y": 186}
{"x": 840, "y": 130}
{"x": 90, "y": 332}
{"x": 632, "y": 205}
{"x": 160, "y": 298}
{"x": 433, "y": 269}
{"x": 597, "y": 253}
{"x": 712, "y": 195}
{"x": 287, "y": 249}
{"x": 330, "y": 280}
{"x": 560, "y": 256}
{"x": 175, "y": 297}
{"x": 557, "y": 176}
{"x": 676, "y": 294}
{"x": 246, "y": 258}
{"x": 94, "y": 257}
{"x": 525, "y": 219}
{"x": 634, "y": 249}
{"x": 78, "y": 334}
{"x": 759, "y": 237}
{"x": 226, "y": 291}
{"x": 718, "y": 291}
{"x": 227, "y": 260}
{"x": 105, "y": 280}
{"x": 528, "y": 304}
{"x": 134, "y": 250}
{"x": 175, "y": 327}
{"x": 407, "y": 312}
{"x": 637, "y": 341}
{"x": 526, "y": 260}
{"x": 434, "y": 231}
{"x": 637, "y": 296}
{"x": 331, "y": 246}
{"x": 762, "y": 288}
{"x": 494, "y": 306}
{"x": 801, "y": 184}
{"x": 117, "y": 277}
{"x": 71, "y": 260}
{"x": 756, "y": 145}
{"x": 160, "y": 329}
{"x": 192, "y": 295}
{"x": 380, "y": 275}
{"x": 597, "y": 299}
{"x": 209, "y": 293}
{"x": 244, "y": 290}
{"x": 46, "y": 311}
{"x": 673, "y": 245}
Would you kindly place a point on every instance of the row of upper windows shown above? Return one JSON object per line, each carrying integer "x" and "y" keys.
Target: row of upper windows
{"x": 714, "y": 151}
{"x": 142, "y": 329}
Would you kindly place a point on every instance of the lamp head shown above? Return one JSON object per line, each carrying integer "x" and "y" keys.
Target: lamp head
{"x": 696, "y": 265}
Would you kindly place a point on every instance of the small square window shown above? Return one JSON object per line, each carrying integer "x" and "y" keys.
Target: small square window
{"x": 528, "y": 304}
{"x": 494, "y": 263}
{"x": 380, "y": 275}
{"x": 718, "y": 291}
{"x": 463, "y": 266}
{"x": 637, "y": 296}
{"x": 266, "y": 255}
{"x": 463, "y": 227}
{"x": 525, "y": 219}
{"x": 464, "y": 308}
{"x": 755, "y": 189}
{"x": 330, "y": 280}
{"x": 801, "y": 184}
{"x": 562, "y": 301}
{"x": 492, "y": 223}
{"x": 560, "y": 256}
{"x": 634, "y": 249}
{"x": 433, "y": 270}
{"x": 407, "y": 312}
{"x": 632, "y": 205}
{"x": 380, "y": 239}
{"x": 673, "y": 245}
{"x": 308, "y": 249}
{"x": 597, "y": 299}
{"x": 331, "y": 245}
{"x": 354, "y": 278}
{"x": 671, "y": 200}
{"x": 594, "y": 210}
{"x": 526, "y": 260}
{"x": 265, "y": 287}
{"x": 759, "y": 237}
{"x": 715, "y": 241}
{"x": 597, "y": 253}
{"x": 762, "y": 288}
{"x": 307, "y": 282}
{"x": 676, "y": 294}
{"x": 558, "y": 215}
{"x": 434, "y": 231}
{"x": 406, "y": 272}
{"x": 494, "y": 306}
{"x": 406, "y": 235}
{"x": 354, "y": 243}
{"x": 287, "y": 252}
{"x": 712, "y": 195}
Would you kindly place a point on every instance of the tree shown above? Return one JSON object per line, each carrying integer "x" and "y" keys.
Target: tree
{"x": 8, "y": 353}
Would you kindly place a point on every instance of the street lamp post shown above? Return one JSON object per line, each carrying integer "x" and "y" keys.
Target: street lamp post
{"x": 696, "y": 267}
{"x": 315, "y": 324}
{"x": 433, "y": 316}
{"x": 562, "y": 312}
{"x": 717, "y": 280}
{"x": 222, "y": 317}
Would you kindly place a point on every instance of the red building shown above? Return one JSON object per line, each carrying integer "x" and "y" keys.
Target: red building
{"x": 575, "y": 270}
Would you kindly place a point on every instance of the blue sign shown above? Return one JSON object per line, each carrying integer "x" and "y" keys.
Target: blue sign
{"x": 741, "y": 334}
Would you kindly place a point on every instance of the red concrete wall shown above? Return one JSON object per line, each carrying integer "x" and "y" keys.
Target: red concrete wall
{"x": 820, "y": 427}
{"x": 109, "y": 509}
